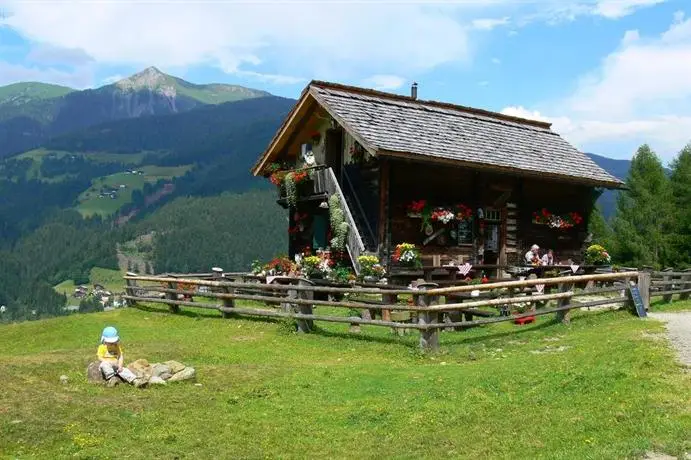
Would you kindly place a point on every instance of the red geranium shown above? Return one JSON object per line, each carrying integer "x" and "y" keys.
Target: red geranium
{"x": 416, "y": 207}
{"x": 463, "y": 212}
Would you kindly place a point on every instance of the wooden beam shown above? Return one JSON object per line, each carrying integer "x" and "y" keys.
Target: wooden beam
{"x": 384, "y": 168}
{"x": 269, "y": 153}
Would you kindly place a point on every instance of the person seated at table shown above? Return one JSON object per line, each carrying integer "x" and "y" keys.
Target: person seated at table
{"x": 548, "y": 258}
{"x": 532, "y": 257}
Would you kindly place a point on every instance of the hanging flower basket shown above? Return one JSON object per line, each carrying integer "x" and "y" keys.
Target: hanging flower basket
{"x": 561, "y": 222}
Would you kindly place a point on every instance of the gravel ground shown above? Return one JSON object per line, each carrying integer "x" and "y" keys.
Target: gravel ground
{"x": 679, "y": 328}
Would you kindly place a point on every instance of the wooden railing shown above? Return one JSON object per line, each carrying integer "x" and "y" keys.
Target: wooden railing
{"x": 667, "y": 283}
{"x": 364, "y": 218}
{"x": 426, "y": 308}
{"x": 354, "y": 244}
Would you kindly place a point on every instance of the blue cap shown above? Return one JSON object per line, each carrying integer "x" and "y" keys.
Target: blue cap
{"x": 110, "y": 335}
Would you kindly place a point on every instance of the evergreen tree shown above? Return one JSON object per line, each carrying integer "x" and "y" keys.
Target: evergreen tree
{"x": 643, "y": 221}
{"x": 681, "y": 192}
{"x": 600, "y": 229}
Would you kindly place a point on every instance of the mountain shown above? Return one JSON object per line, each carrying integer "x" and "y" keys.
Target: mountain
{"x": 18, "y": 94}
{"x": 31, "y": 114}
{"x": 619, "y": 169}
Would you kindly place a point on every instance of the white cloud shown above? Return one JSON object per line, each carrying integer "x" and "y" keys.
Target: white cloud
{"x": 112, "y": 79}
{"x": 496, "y": 61}
{"x": 640, "y": 93}
{"x": 615, "y": 9}
{"x": 489, "y": 23}
{"x": 384, "y": 82}
{"x": 272, "y": 78}
{"x": 483, "y": 83}
{"x": 51, "y": 55}
{"x": 273, "y": 40}
{"x": 81, "y": 77}
{"x": 630, "y": 36}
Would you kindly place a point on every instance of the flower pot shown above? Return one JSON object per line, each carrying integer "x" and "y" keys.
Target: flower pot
{"x": 370, "y": 279}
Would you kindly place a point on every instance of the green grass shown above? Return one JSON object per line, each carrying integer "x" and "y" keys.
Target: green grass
{"x": 90, "y": 203}
{"x": 37, "y": 156}
{"x": 657, "y": 304}
{"x": 612, "y": 391}
{"x": 21, "y": 93}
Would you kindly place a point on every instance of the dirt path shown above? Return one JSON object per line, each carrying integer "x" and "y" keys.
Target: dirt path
{"x": 679, "y": 328}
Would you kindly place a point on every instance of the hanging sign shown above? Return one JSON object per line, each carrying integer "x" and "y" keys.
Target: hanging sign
{"x": 574, "y": 268}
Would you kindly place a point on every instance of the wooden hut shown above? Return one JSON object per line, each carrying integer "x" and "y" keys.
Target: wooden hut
{"x": 462, "y": 184}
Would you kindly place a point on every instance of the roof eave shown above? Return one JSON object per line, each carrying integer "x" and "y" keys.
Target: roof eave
{"x": 258, "y": 167}
{"x": 615, "y": 184}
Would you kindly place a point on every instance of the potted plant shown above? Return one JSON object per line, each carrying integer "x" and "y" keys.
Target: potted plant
{"x": 598, "y": 255}
{"x": 371, "y": 270}
{"x": 407, "y": 255}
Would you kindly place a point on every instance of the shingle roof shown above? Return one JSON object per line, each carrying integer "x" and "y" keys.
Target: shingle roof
{"x": 398, "y": 124}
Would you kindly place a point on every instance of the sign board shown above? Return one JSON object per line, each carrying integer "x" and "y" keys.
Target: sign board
{"x": 637, "y": 301}
{"x": 465, "y": 232}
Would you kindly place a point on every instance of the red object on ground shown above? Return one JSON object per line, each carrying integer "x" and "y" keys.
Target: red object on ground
{"x": 524, "y": 320}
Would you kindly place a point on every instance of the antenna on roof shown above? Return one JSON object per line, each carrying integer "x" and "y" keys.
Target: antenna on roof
{"x": 413, "y": 91}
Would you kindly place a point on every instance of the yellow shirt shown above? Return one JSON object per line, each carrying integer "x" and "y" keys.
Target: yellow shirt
{"x": 110, "y": 352}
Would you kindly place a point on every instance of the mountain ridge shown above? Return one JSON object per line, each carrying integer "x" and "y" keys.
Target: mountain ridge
{"x": 40, "y": 112}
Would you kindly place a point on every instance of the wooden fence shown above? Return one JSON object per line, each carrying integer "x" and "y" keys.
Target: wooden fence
{"x": 667, "y": 283}
{"x": 426, "y": 307}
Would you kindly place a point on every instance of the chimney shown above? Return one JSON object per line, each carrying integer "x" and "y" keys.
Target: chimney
{"x": 413, "y": 91}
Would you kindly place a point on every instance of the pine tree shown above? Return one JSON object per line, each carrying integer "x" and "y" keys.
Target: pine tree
{"x": 681, "y": 193}
{"x": 643, "y": 221}
{"x": 600, "y": 229}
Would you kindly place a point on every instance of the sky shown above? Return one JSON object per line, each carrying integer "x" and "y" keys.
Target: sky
{"x": 608, "y": 74}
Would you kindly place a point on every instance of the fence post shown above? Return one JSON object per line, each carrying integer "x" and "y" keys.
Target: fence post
{"x": 388, "y": 299}
{"x": 217, "y": 275}
{"x": 564, "y": 316}
{"x": 172, "y": 296}
{"x": 667, "y": 287}
{"x": 305, "y": 325}
{"x": 643, "y": 283}
{"x": 129, "y": 290}
{"x": 687, "y": 284}
{"x": 429, "y": 338}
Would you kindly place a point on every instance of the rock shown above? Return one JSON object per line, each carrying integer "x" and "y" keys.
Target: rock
{"x": 156, "y": 380}
{"x": 185, "y": 374}
{"x": 64, "y": 379}
{"x": 166, "y": 376}
{"x": 159, "y": 369}
{"x": 174, "y": 366}
{"x": 113, "y": 381}
{"x": 141, "y": 368}
{"x": 93, "y": 373}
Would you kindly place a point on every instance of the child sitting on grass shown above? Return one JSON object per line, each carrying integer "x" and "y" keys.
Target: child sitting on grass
{"x": 112, "y": 359}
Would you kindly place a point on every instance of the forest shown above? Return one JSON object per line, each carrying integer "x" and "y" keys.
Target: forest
{"x": 652, "y": 223}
